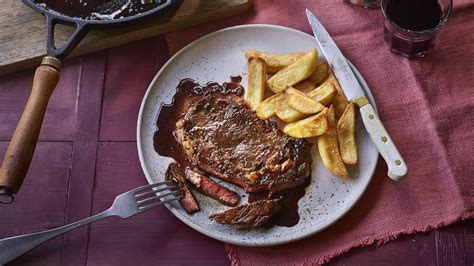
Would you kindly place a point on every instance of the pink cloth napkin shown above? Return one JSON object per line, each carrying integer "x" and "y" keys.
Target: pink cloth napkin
{"x": 428, "y": 107}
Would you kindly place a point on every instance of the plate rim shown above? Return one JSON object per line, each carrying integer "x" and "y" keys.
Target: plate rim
{"x": 217, "y": 236}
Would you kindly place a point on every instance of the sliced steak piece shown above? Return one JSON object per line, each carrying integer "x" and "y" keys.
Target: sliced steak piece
{"x": 227, "y": 140}
{"x": 188, "y": 202}
{"x": 254, "y": 214}
{"x": 212, "y": 189}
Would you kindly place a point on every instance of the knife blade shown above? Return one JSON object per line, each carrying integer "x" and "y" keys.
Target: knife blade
{"x": 397, "y": 168}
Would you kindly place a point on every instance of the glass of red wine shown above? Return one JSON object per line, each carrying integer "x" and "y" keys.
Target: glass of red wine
{"x": 411, "y": 27}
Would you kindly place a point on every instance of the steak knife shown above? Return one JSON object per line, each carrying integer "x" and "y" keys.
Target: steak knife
{"x": 397, "y": 169}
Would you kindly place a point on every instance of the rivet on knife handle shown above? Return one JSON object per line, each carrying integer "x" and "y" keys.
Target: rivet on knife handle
{"x": 397, "y": 169}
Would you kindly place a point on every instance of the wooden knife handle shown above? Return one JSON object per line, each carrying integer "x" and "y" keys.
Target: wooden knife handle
{"x": 22, "y": 146}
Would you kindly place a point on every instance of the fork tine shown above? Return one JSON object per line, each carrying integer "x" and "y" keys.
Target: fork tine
{"x": 142, "y": 188}
{"x": 156, "y": 204}
{"x": 141, "y": 195}
{"x": 139, "y": 202}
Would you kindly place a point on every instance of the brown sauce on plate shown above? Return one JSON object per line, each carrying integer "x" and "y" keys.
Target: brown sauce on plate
{"x": 166, "y": 144}
{"x": 288, "y": 215}
{"x": 236, "y": 79}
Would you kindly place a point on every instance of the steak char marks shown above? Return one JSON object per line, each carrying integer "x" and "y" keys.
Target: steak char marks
{"x": 224, "y": 138}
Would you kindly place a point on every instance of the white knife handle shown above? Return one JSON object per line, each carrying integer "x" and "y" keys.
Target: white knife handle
{"x": 397, "y": 169}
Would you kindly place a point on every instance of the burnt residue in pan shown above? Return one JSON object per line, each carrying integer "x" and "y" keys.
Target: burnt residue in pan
{"x": 99, "y": 9}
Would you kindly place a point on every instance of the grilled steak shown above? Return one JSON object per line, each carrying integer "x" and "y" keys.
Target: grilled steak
{"x": 226, "y": 139}
{"x": 212, "y": 189}
{"x": 188, "y": 202}
{"x": 254, "y": 214}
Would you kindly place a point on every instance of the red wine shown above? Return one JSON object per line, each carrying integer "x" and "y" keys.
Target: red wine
{"x": 415, "y": 15}
{"x": 409, "y": 26}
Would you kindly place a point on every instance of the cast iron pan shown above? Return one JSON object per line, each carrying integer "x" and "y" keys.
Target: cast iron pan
{"x": 22, "y": 146}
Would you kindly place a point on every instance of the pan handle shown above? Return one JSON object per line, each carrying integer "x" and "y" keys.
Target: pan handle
{"x": 80, "y": 30}
{"x": 23, "y": 143}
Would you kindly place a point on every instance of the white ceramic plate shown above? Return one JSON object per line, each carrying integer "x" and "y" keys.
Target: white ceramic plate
{"x": 216, "y": 57}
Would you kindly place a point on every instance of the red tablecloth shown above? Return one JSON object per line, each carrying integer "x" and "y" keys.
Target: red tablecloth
{"x": 428, "y": 107}
{"x": 87, "y": 151}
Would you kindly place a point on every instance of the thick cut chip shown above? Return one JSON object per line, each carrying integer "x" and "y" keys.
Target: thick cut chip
{"x": 287, "y": 113}
{"x": 312, "y": 126}
{"x": 346, "y": 135}
{"x": 268, "y": 107}
{"x": 257, "y": 81}
{"x": 329, "y": 149}
{"x": 340, "y": 101}
{"x": 306, "y": 86}
{"x": 275, "y": 62}
{"x": 319, "y": 75}
{"x": 302, "y": 102}
{"x": 294, "y": 73}
{"x": 324, "y": 94}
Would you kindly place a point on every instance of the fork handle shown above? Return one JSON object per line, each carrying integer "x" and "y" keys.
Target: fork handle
{"x": 12, "y": 247}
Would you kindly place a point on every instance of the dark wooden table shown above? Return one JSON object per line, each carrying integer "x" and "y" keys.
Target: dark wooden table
{"x": 87, "y": 155}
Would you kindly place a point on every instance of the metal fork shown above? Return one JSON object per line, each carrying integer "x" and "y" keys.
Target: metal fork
{"x": 125, "y": 205}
